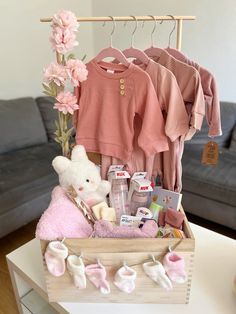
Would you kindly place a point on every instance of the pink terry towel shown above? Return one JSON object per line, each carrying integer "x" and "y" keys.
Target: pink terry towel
{"x": 105, "y": 229}
{"x": 62, "y": 219}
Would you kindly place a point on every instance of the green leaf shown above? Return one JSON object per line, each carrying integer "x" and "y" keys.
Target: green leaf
{"x": 71, "y": 56}
{"x": 48, "y": 93}
{"x": 69, "y": 132}
{"x": 84, "y": 57}
{"x": 46, "y": 87}
{"x": 59, "y": 89}
{"x": 57, "y": 124}
{"x": 57, "y": 140}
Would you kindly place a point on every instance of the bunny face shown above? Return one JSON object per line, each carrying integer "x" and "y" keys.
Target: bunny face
{"x": 82, "y": 174}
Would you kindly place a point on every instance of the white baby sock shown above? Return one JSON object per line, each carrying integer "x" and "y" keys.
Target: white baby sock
{"x": 76, "y": 269}
{"x": 156, "y": 272}
{"x": 55, "y": 255}
{"x": 125, "y": 279}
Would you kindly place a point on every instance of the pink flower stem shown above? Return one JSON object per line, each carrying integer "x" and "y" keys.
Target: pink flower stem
{"x": 58, "y": 56}
{"x": 63, "y": 119}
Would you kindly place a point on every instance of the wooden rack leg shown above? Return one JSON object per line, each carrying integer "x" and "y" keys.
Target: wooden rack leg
{"x": 179, "y": 34}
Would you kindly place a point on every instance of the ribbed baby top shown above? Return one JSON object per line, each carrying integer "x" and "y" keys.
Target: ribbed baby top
{"x": 109, "y": 100}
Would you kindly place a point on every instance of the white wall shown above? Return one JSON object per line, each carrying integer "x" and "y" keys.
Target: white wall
{"x": 25, "y": 49}
{"x": 210, "y": 40}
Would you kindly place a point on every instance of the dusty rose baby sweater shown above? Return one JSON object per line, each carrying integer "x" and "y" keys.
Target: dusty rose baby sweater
{"x": 210, "y": 92}
{"x": 109, "y": 99}
{"x": 176, "y": 125}
{"x": 190, "y": 86}
{"x": 169, "y": 164}
{"x": 189, "y": 82}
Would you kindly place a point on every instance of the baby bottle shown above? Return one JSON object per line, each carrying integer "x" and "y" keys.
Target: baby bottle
{"x": 138, "y": 199}
{"x": 139, "y": 191}
{"x": 119, "y": 190}
{"x": 119, "y": 197}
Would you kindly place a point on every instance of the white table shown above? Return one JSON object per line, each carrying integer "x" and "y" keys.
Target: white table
{"x": 211, "y": 292}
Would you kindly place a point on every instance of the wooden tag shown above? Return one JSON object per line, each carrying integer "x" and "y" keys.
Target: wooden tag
{"x": 210, "y": 153}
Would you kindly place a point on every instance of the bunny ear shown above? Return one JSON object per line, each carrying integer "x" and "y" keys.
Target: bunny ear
{"x": 79, "y": 153}
{"x": 60, "y": 164}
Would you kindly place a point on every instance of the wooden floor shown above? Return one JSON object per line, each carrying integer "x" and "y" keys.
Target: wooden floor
{"x": 7, "y": 245}
{"x": 26, "y": 233}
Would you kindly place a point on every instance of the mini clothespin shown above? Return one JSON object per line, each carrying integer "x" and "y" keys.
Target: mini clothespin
{"x": 99, "y": 263}
{"x": 125, "y": 265}
{"x": 63, "y": 240}
{"x": 153, "y": 258}
{"x": 80, "y": 255}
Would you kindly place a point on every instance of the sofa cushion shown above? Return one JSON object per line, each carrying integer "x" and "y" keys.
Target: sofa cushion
{"x": 213, "y": 182}
{"x": 233, "y": 141}
{"x": 228, "y": 120}
{"x": 21, "y": 124}
{"x": 49, "y": 115}
{"x": 26, "y": 174}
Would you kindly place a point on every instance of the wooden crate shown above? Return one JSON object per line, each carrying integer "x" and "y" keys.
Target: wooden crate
{"x": 112, "y": 253}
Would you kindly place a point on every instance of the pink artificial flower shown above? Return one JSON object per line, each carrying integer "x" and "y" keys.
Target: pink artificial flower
{"x": 63, "y": 40}
{"x": 66, "y": 103}
{"x": 65, "y": 19}
{"x": 56, "y": 73}
{"x": 76, "y": 71}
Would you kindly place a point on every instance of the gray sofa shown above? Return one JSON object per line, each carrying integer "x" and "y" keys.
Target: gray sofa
{"x": 26, "y": 151}
{"x": 27, "y": 178}
{"x": 210, "y": 191}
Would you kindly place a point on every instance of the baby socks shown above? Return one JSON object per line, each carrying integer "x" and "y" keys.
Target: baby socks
{"x": 175, "y": 267}
{"x": 55, "y": 256}
{"x": 97, "y": 275}
{"x": 76, "y": 269}
{"x": 125, "y": 279}
{"x": 156, "y": 272}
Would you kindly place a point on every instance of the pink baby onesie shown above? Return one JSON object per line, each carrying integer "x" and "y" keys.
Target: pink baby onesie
{"x": 189, "y": 83}
{"x": 210, "y": 93}
{"x": 176, "y": 125}
{"x": 109, "y": 100}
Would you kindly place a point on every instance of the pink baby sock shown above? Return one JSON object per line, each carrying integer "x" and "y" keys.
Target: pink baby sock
{"x": 157, "y": 273}
{"x": 76, "y": 269}
{"x": 55, "y": 256}
{"x": 125, "y": 279}
{"x": 175, "y": 267}
{"x": 97, "y": 275}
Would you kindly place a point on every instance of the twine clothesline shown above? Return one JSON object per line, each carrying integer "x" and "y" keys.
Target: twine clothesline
{"x": 152, "y": 257}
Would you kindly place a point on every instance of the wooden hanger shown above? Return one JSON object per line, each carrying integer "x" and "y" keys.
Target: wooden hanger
{"x": 135, "y": 52}
{"x": 153, "y": 51}
{"x": 111, "y": 51}
{"x": 172, "y": 51}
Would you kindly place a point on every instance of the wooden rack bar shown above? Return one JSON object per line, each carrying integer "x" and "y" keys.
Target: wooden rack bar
{"x": 178, "y": 18}
{"x": 125, "y": 18}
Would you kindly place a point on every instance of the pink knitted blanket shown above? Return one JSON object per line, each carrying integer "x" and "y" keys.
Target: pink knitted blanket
{"x": 62, "y": 219}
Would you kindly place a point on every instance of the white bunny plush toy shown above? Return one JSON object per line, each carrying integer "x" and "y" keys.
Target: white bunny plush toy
{"x": 83, "y": 175}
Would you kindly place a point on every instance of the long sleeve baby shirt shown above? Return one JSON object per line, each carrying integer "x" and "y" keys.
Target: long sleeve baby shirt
{"x": 189, "y": 83}
{"x": 210, "y": 93}
{"x": 176, "y": 125}
{"x": 109, "y": 100}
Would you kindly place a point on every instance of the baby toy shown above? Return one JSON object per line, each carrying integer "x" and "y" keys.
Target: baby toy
{"x": 83, "y": 175}
{"x": 63, "y": 218}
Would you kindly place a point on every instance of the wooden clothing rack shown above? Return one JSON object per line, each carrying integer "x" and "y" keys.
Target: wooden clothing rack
{"x": 179, "y": 22}
{"x": 95, "y": 157}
